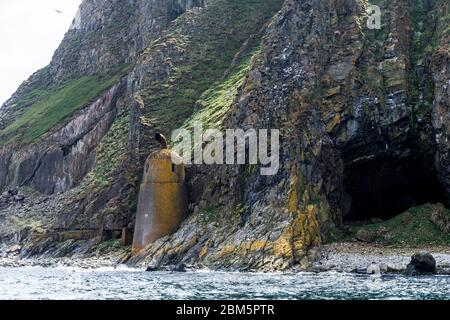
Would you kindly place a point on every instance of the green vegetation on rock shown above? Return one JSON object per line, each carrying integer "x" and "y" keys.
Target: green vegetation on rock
{"x": 209, "y": 215}
{"x": 110, "y": 155}
{"x": 41, "y": 110}
{"x": 214, "y": 62}
{"x": 109, "y": 245}
{"x": 217, "y": 100}
{"x": 411, "y": 228}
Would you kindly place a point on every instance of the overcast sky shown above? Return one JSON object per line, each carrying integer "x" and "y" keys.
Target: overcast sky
{"x": 30, "y": 32}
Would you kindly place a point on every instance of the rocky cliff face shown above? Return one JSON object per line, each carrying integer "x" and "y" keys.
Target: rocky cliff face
{"x": 52, "y": 127}
{"x": 363, "y": 114}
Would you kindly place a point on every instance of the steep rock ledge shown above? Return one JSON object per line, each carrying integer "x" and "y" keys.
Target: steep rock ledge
{"x": 347, "y": 99}
{"x": 58, "y": 162}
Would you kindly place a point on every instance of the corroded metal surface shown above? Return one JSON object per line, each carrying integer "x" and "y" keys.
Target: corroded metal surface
{"x": 162, "y": 200}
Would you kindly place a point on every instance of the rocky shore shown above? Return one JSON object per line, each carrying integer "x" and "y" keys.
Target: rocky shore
{"x": 94, "y": 258}
{"x": 338, "y": 257}
{"x": 85, "y": 263}
{"x": 357, "y": 257}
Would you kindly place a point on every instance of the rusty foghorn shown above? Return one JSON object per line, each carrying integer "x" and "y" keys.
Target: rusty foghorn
{"x": 163, "y": 199}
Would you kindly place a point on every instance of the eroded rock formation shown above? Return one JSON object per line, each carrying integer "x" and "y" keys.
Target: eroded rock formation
{"x": 363, "y": 113}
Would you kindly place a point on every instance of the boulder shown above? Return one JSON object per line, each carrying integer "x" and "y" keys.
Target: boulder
{"x": 365, "y": 236}
{"x": 14, "y": 249}
{"x": 152, "y": 269}
{"x": 178, "y": 268}
{"x": 170, "y": 268}
{"x": 422, "y": 263}
{"x": 441, "y": 218}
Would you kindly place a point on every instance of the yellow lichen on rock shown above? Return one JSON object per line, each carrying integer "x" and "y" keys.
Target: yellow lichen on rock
{"x": 203, "y": 252}
{"x": 333, "y": 123}
{"x": 282, "y": 247}
{"x": 226, "y": 250}
{"x": 292, "y": 199}
{"x": 304, "y": 230}
{"x": 258, "y": 245}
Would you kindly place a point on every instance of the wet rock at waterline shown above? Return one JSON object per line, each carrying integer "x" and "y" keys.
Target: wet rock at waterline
{"x": 422, "y": 263}
{"x": 171, "y": 268}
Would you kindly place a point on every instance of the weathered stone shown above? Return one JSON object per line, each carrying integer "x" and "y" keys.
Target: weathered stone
{"x": 422, "y": 263}
{"x": 441, "y": 218}
{"x": 365, "y": 236}
{"x": 14, "y": 249}
{"x": 151, "y": 269}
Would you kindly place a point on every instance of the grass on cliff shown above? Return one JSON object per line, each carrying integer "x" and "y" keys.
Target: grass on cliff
{"x": 411, "y": 228}
{"x": 203, "y": 79}
{"x": 110, "y": 154}
{"x": 215, "y": 102}
{"x": 429, "y": 36}
{"x": 41, "y": 110}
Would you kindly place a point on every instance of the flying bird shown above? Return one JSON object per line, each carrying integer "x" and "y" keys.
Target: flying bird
{"x": 58, "y": 11}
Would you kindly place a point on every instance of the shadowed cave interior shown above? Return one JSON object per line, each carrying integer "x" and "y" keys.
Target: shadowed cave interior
{"x": 385, "y": 186}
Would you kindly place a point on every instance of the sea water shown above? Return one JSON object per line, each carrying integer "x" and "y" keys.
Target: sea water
{"x": 128, "y": 284}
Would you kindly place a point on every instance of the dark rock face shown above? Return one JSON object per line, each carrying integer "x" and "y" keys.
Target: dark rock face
{"x": 63, "y": 158}
{"x": 111, "y": 33}
{"x": 151, "y": 269}
{"x": 422, "y": 263}
{"x": 171, "y": 268}
{"x": 365, "y": 236}
{"x": 358, "y": 136}
{"x": 441, "y": 114}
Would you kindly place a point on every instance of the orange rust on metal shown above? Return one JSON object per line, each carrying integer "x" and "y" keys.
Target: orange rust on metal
{"x": 163, "y": 199}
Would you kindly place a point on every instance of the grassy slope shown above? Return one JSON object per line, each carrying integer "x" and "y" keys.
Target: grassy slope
{"x": 215, "y": 102}
{"x": 411, "y": 228}
{"x": 216, "y": 67}
{"x": 197, "y": 82}
{"x": 111, "y": 153}
{"x": 47, "y": 108}
{"x": 197, "y": 88}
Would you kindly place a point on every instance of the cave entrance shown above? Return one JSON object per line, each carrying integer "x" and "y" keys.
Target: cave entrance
{"x": 385, "y": 186}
